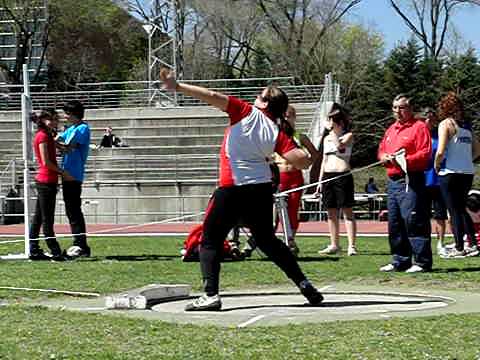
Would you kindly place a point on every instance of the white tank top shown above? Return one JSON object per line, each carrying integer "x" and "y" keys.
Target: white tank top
{"x": 330, "y": 148}
{"x": 458, "y": 156}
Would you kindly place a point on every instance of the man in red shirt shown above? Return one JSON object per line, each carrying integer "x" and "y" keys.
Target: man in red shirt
{"x": 408, "y": 218}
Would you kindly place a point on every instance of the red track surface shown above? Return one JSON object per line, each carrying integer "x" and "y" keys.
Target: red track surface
{"x": 312, "y": 227}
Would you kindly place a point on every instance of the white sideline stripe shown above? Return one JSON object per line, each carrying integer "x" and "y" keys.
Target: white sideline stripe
{"x": 325, "y": 288}
{"x": 251, "y": 321}
{"x": 66, "y": 292}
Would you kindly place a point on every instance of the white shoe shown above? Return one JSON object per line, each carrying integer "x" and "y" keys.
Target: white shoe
{"x": 330, "y": 250}
{"x": 414, "y": 269}
{"x": 442, "y": 251}
{"x": 352, "y": 250}
{"x": 471, "y": 251}
{"x": 205, "y": 303}
{"x": 387, "y": 268}
{"x": 440, "y": 248}
{"x": 454, "y": 254}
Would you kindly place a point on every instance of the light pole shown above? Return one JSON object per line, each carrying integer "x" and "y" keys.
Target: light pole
{"x": 149, "y": 29}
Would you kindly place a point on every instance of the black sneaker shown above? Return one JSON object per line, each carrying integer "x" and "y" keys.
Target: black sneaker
{"x": 311, "y": 293}
{"x": 59, "y": 257}
{"x": 205, "y": 303}
{"x": 39, "y": 255}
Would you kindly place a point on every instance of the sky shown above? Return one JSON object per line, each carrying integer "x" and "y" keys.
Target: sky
{"x": 379, "y": 15}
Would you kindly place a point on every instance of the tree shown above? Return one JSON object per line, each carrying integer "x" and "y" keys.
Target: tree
{"x": 462, "y": 75}
{"x": 401, "y": 70}
{"x": 299, "y": 26}
{"x": 30, "y": 26}
{"x": 429, "y": 20}
{"x": 100, "y": 43}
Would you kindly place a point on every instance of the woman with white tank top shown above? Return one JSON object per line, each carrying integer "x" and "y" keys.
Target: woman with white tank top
{"x": 457, "y": 148}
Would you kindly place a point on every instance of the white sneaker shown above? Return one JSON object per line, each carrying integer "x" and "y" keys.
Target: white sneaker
{"x": 387, "y": 268}
{"x": 330, "y": 250}
{"x": 440, "y": 248}
{"x": 442, "y": 251}
{"x": 205, "y": 303}
{"x": 454, "y": 254}
{"x": 414, "y": 269}
{"x": 352, "y": 250}
{"x": 471, "y": 251}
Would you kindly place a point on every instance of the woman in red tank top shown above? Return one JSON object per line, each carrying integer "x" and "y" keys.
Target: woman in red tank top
{"x": 46, "y": 182}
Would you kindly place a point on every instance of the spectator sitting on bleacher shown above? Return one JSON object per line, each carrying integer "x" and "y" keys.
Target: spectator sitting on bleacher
{"x": 110, "y": 139}
{"x": 473, "y": 209}
{"x": 371, "y": 187}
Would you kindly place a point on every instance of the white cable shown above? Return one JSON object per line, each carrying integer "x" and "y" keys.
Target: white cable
{"x": 399, "y": 154}
{"x": 283, "y": 193}
{"x": 111, "y": 229}
{"x": 66, "y": 292}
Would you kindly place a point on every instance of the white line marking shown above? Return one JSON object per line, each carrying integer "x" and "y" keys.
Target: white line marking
{"x": 251, "y": 321}
{"x": 325, "y": 288}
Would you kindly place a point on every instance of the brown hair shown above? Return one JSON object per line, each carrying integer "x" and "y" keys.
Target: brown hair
{"x": 44, "y": 114}
{"x": 277, "y": 102}
{"x": 340, "y": 116}
{"x": 449, "y": 105}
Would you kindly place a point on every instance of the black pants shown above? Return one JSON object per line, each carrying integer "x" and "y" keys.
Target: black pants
{"x": 72, "y": 191}
{"x": 455, "y": 188}
{"x": 44, "y": 217}
{"x": 254, "y": 205}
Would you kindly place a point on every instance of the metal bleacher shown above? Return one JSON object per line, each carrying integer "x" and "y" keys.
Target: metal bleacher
{"x": 168, "y": 167}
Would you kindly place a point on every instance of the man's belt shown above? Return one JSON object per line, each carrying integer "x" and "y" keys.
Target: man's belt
{"x": 397, "y": 177}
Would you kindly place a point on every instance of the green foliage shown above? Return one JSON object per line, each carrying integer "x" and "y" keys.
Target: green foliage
{"x": 401, "y": 70}
{"x": 462, "y": 75}
{"x": 101, "y": 42}
{"x": 407, "y": 71}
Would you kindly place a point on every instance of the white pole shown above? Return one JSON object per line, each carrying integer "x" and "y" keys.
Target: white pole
{"x": 26, "y": 133}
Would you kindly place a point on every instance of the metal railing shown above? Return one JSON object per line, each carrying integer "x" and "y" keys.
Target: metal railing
{"x": 8, "y": 176}
{"x": 142, "y": 168}
{"x": 134, "y": 94}
{"x": 116, "y": 214}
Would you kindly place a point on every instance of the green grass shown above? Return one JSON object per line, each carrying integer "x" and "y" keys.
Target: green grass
{"x": 125, "y": 263}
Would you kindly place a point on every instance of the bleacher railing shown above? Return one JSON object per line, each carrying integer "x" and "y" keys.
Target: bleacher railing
{"x": 137, "y": 94}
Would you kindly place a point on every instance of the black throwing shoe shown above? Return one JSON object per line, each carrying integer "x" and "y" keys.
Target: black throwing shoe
{"x": 311, "y": 293}
{"x": 39, "y": 255}
{"x": 59, "y": 257}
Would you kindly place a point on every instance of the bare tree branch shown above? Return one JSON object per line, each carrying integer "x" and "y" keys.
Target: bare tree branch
{"x": 441, "y": 12}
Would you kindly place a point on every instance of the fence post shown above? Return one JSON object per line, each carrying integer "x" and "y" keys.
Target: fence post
{"x": 14, "y": 173}
{"x": 116, "y": 210}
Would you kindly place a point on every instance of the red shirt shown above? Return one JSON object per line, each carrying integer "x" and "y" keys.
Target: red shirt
{"x": 44, "y": 174}
{"x": 414, "y": 137}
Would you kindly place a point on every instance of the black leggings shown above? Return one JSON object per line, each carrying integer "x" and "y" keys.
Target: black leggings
{"x": 44, "y": 217}
{"x": 72, "y": 196}
{"x": 253, "y": 204}
{"x": 455, "y": 188}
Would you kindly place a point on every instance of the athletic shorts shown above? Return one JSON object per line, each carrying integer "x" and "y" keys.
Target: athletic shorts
{"x": 338, "y": 193}
{"x": 436, "y": 202}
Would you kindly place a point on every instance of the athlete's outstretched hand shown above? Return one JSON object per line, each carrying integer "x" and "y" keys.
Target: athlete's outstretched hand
{"x": 168, "y": 78}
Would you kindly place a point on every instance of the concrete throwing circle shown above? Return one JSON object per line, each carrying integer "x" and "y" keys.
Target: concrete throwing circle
{"x": 280, "y": 308}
